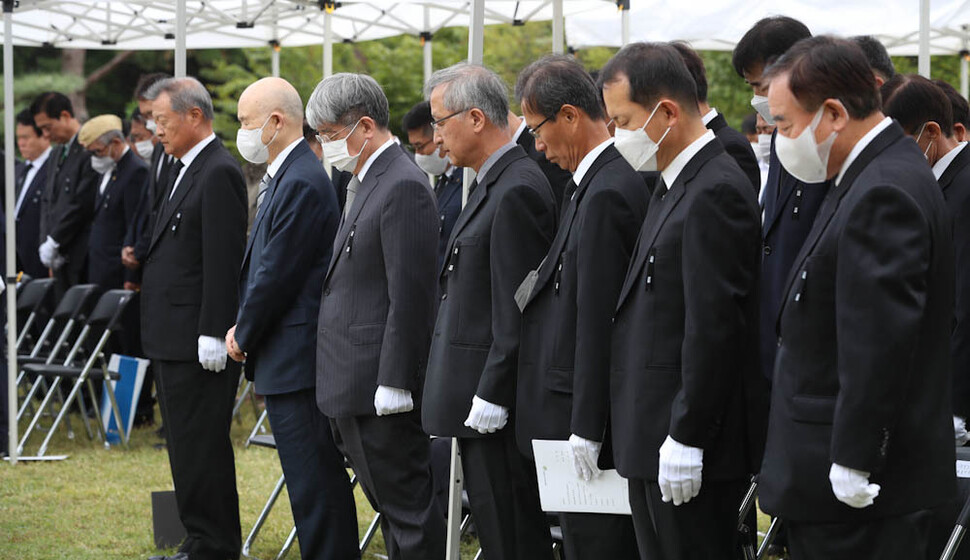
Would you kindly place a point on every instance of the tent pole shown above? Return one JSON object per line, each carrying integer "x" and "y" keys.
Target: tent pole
{"x": 624, "y": 24}
{"x": 276, "y": 60}
{"x": 924, "y": 38}
{"x": 327, "y": 43}
{"x": 964, "y": 74}
{"x": 557, "y": 27}
{"x": 426, "y": 39}
{"x": 180, "y": 31}
{"x": 10, "y": 272}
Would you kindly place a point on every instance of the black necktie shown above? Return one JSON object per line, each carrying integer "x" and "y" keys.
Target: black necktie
{"x": 661, "y": 189}
{"x": 23, "y": 176}
{"x": 471, "y": 189}
{"x": 263, "y": 185}
{"x": 173, "y": 176}
{"x": 569, "y": 191}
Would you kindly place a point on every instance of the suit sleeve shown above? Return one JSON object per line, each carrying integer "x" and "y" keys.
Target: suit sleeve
{"x": 744, "y": 155}
{"x": 720, "y": 266}
{"x": 409, "y": 241}
{"x": 960, "y": 341}
{"x": 223, "y": 242}
{"x": 609, "y": 231}
{"x": 133, "y": 202}
{"x": 522, "y": 231}
{"x": 298, "y": 214}
{"x": 76, "y": 211}
{"x": 883, "y": 259}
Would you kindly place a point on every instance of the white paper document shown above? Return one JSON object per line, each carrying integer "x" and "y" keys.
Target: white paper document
{"x": 562, "y": 490}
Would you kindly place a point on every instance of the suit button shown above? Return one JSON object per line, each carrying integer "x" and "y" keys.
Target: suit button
{"x": 767, "y": 249}
{"x": 444, "y": 296}
{"x": 326, "y": 292}
{"x": 779, "y": 342}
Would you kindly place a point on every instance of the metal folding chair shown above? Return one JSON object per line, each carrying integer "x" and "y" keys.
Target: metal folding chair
{"x": 33, "y": 298}
{"x": 106, "y": 317}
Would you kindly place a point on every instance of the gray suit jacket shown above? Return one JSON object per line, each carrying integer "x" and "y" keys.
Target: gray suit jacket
{"x": 378, "y": 304}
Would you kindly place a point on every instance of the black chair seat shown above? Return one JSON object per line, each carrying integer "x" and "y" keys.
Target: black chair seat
{"x": 556, "y": 533}
{"x": 264, "y": 441}
{"x": 68, "y": 371}
{"x": 25, "y": 359}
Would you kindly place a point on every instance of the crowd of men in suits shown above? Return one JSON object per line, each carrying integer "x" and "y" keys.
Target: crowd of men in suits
{"x": 629, "y": 274}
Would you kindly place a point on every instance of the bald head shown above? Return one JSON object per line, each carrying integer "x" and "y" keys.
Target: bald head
{"x": 275, "y": 105}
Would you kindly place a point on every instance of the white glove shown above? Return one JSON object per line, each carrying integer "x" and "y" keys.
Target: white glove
{"x": 960, "y": 431}
{"x": 48, "y": 251}
{"x": 212, "y": 353}
{"x": 58, "y": 262}
{"x": 391, "y": 400}
{"x": 851, "y": 487}
{"x": 680, "y": 469}
{"x": 485, "y": 417}
{"x": 586, "y": 453}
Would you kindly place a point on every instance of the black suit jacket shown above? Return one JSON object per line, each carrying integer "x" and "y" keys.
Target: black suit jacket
{"x": 862, "y": 376}
{"x": 789, "y": 211}
{"x": 684, "y": 356}
{"x": 114, "y": 213}
{"x": 67, "y": 204}
{"x": 955, "y": 183}
{"x": 564, "y": 356}
{"x": 289, "y": 248}
{"x": 378, "y": 302}
{"x": 28, "y": 224}
{"x": 557, "y": 176}
{"x": 503, "y": 232}
{"x": 190, "y": 280}
{"x": 139, "y": 235}
{"x": 448, "y": 192}
{"x": 738, "y": 147}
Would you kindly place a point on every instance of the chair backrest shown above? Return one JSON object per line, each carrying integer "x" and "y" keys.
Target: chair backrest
{"x": 109, "y": 310}
{"x": 76, "y": 302}
{"x": 34, "y": 295}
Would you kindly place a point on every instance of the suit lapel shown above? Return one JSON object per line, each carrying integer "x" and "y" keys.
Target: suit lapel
{"x": 185, "y": 186}
{"x": 717, "y": 123}
{"x": 955, "y": 167}
{"x": 295, "y": 154}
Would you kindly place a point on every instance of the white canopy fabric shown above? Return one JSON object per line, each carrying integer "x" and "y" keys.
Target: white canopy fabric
{"x": 719, "y": 24}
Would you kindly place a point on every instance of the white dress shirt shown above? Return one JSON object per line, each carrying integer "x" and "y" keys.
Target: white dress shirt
{"x": 861, "y": 145}
{"x": 588, "y": 160}
{"x": 188, "y": 158}
{"x": 940, "y": 167}
{"x": 678, "y": 164}
{"x": 35, "y": 166}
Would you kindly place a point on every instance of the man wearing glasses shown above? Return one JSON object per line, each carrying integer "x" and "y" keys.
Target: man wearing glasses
{"x": 502, "y": 233}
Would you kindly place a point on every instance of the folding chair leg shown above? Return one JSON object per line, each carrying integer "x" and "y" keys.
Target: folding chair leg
{"x": 769, "y": 537}
{"x": 84, "y": 414}
{"x": 30, "y": 396}
{"x": 263, "y": 515}
{"x": 114, "y": 409}
{"x": 371, "y": 531}
{"x": 60, "y": 416}
{"x": 247, "y": 386}
{"x": 97, "y": 414}
{"x": 287, "y": 544}
{"x": 259, "y": 423}
{"x": 38, "y": 414}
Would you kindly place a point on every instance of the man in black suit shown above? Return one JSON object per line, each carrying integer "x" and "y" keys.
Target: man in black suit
{"x": 377, "y": 313}
{"x": 860, "y": 440}
{"x": 961, "y": 110}
{"x": 36, "y": 149}
{"x": 120, "y": 185}
{"x": 188, "y": 302}
{"x": 735, "y": 143}
{"x": 67, "y": 202}
{"x": 430, "y": 158}
{"x": 788, "y": 204}
{"x": 502, "y": 233}
{"x": 564, "y": 354}
{"x": 279, "y": 291}
{"x": 557, "y": 176}
{"x": 684, "y": 381}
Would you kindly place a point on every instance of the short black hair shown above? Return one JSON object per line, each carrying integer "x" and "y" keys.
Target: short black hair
{"x": 556, "y": 80}
{"x": 137, "y": 116}
{"x": 52, "y": 104}
{"x": 146, "y": 81}
{"x": 913, "y": 101}
{"x": 750, "y": 124}
{"x": 308, "y": 132}
{"x": 654, "y": 70}
{"x": 418, "y": 118}
{"x": 764, "y": 43}
{"x": 26, "y": 118}
{"x": 826, "y": 67}
{"x": 695, "y": 65}
{"x": 877, "y": 55}
{"x": 961, "y": 109}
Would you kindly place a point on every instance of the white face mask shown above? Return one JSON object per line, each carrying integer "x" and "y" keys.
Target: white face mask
{"x": 802, "y": 157}
{"x": 926, "y": 152}
{"x": 145, "y": 149}
{"x": 150, "y": 125}
{"x": 636, "y": 146}
{"x": 760, "y": 104}
{"x": 250, "y": 143}
{"x": 337, "y": 154}
{"x": 102, "y": 164}
{"x": 763, "y": 147}
{"x": 433, "y": 164}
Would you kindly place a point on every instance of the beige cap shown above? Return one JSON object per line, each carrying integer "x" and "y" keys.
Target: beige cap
{"x": 97, "y": 127}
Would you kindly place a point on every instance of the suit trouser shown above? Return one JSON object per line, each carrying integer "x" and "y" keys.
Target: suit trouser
{"x": 503, "y": 495}
{"x": 592, "y": 536}
{"x": 900, "y": 537}
{"x": 390, "y": 456}
{"x": 196, "y": 407}
{"x": 704, "y": 528}
{"x": 321, "y": 498}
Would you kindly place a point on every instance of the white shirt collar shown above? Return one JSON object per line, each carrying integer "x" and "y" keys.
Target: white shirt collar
{"x": 710, "y": 116}
{"x": 861, "y": 145}
{"x": 678, "y": 164}
{"x": 194, "y": 152}
{"x": 519, "y": 131}
{"x": 39, "y": 162}
{"x": 940, "y": 168}
{"x": 588, "y": 160}
{"x": 281, "y": 157}
{"x": 373, "y": 158}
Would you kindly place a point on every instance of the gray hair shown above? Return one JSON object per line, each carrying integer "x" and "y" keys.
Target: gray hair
{"x": 471, "y": 85}
{"x": 344, "y": 98}
{"x": 107, "y": 137}
{"x": 184, "y": 94}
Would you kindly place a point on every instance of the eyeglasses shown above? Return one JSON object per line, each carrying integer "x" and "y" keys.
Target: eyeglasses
{"x": 437, "y": 123}
{"x": 419, "y": 146}
{"x": 535, "y": 131}
{"x": 324, "y": 138}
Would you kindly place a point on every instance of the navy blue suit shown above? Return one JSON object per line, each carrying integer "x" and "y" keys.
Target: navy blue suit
{"x": 114, "y": 212}
{"x": 28, "y": 224}
{"x": 448, "y": 191}
{"x": 789, "y": 211}
{"x": 280, "y": 285}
